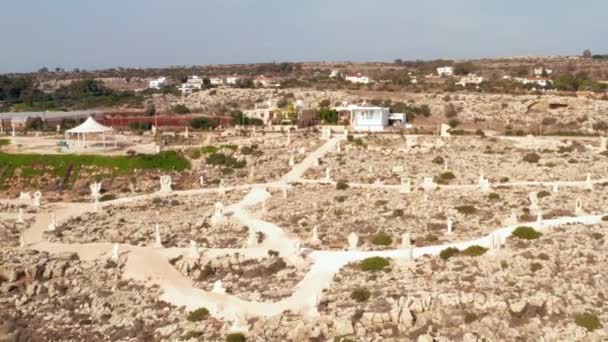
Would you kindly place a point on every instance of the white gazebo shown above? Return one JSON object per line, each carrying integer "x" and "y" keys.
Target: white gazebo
{"x": 90, "y": 126}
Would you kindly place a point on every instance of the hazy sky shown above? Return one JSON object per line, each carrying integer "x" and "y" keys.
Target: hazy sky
{"x": 99, "y": 34}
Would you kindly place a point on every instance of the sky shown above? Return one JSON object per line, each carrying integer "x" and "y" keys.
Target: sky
{"x": 89, "y": 34}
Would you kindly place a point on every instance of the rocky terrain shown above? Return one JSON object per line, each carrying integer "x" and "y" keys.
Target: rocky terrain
{"x": 538, "y": 289}
{"x": 263, "y": 279}
{"x": 389, "y": 158}
{"x": 179, "y": 219}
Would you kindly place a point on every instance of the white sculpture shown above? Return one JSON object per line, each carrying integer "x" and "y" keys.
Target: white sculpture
{"x": 588, "y": 182}
{"x": 186, "y": 133}
{"x": 328, "y": 174}
{"x": 201, "y": 180}
{"x": 13, "y": 127}
{"x": 153, "y": 128}
{"x": 165, "y": 184}
{"x": 314, "y": 240}
{"x": 339, "y": 147}
{"x": 450, "y": 225}
{"x": 37, "y": 198}
{"x": 22, "y": 240}
{"x": 115, "y": 254}
{"x": 158, "y": 242}
{"x": 484, "y": 184}
{"x": 495, "y": 241}
{"x": 539, "y": 215}
{"x": 603, "y": 146}
{"x": 406, "y": 185}
{"x": 218, "y": 287}
{"x": 24, "y": 196}
{"x": 533, "y": 197}
{"x": 445, "y": 164}
{"x": 96, "y": 205}
{"x": 428, "y": 184}
{"x": 221, "y": 189}
{"x": 252, "y": 172}
{"x": 353, "y": 241}
{"x": 288, "y": 137}
{"x": 292, "y": 161}
{"x": 252, "y": 238}
{"x": 316, "y": 162}
{"x": 555, "y": 188}
{"x": 53, "y": 224}
{"x": 193, "y": 252}
{"x": 406, "y": 240}
{"x": 578, "y": 210}
{"x": 218, "y": 214}
{"x": 20, "y": 218}
{"x": 444, "y": 130}
{"x": 95, "y": 190}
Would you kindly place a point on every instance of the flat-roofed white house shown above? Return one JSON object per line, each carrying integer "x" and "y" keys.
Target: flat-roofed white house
{"x": 445, "y": 71}
{"x": 470, "y": 79}
{"x": 365, "y": 118}
{"x": 193, "y": 83}
{"x": 232, "y": 80}
{"x": 216, "y": 81}
{"x": 157, "y": 83}
{"x": 358, "y": 79}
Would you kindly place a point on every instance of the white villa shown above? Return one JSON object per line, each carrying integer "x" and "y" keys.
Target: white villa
{"x": 470, "y": 79}
{"x": 232, "y": 80}
{"x": 539, "y": 81}
{"x": 445, "y": 71}
{"x": 193, "y": 82}
{"x": 157, "y": 83}
{"x": 366, "y": 119}
{"x": 538, "y": 72}
{"x": 216, "y": 81}
{"x": 358, "y": 79}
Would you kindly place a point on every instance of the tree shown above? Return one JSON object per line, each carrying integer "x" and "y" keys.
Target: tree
{"x": 181, "y": 109}
{"x": 587, "y": 54}
{"x": 43, "y": 70}
{"x": 203, "y": 123}
{"x": 150, "y": 109}
{"x": 329, "y": 116}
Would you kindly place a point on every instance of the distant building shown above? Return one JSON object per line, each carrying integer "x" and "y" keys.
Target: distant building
{"x": 193, "y": 83}
{"x": 232, "y": 80}
{"x": 539, "y": 81}
{"x": 358, "y": 79}
{"x": 216, "y": 81}
{"x": 366, "y": 119}
{"x": 541, "y": 71}
{"x": 335, "y": 74}
{"x": 470, "y": 79}
{"x": 158, "y": 83}
{"x": 263, "y": 81}
{"x": 445, "y": 71}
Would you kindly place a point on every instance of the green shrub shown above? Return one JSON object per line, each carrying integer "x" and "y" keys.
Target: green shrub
{"x": 4, "y": 142}
{"x": 209, "y": 149}
{"x": 531, "y": 158}
{"x": 448, "y": 253}
{"x": 474, "y": 251}
{"x": 543, "y": 193}
{"x": 382, "y": 239}
{"x": 350, "y": 138}
{"x": 605, "y": 218}
{"x": 438, "y": 160}
{"x": 107, "y": 197}
{"x": 373, "y": 264}
{"x": 597, "y": 236}
{"x": 493, "y": 196}
{"x": 398, "y": 212}
{"x": 236, "y": 337}
{"x": 228, "y": 161}
{"x": 360, "y": 294}
{"x": 342, "y": 185}
{"x": 191, "y": 334}
{"x": 198, "y": 315}
{"x": 588, "y": 321}
{"x": 469, "y": 317}
{"x": 526, "y": 233}
{"x": 445, "y": 178}
{"x": 504, "y": 179}
{"x": 466, "y": 209}
{"x": 340, "y": 199}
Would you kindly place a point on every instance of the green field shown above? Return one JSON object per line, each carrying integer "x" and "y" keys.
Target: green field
{"x": 68, "y": 167}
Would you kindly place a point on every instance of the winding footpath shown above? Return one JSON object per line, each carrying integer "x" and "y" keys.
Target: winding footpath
{"x": 151, "y": 265}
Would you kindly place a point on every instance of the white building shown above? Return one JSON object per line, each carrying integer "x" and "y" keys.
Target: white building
{"x": 538, "y": 72}
{"x": 366, "y": 119}
{"x": 263, "y": 81}
{"x": 158, "y": 83}
{"x": 193, "y": 83}
{"x": 470, "y": 79}
{"x": 232, "y": 80}
{"x": 445, "y": 71}
{"x": 335, "y": 74}
{"x": 358, "y": 79}
{"x": 539, "y": 81}
{"x": 216, "y": 81}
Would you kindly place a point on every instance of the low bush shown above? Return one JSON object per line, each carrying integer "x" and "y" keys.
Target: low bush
{"x": 342, "y": 185}
{"x": 236, "y": 337}
{"x": 543, "y": 193}
{"x": 469, "y": 317}
{"x": 531, "y": 158}
{"x": 360, "y": 294}
{"x": 228, "y": 161}
{"x": 438, "y": 160}
{"x": 474, "y": 251}
{"x": 588, "y": 321}
{"x": 448, "y": 253}
{"x": 526, "y": 233}
{"x": 198, "y": 315}
{"x": 605, "y": 218}
{"x": 466, "y": 209}
{"x": 107, "y": 197}
{"x": 382, "y": 239}
{"x": 493, "y": 196}
{"x": 373, "y": 264}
